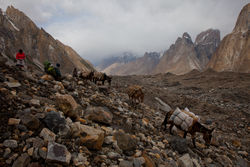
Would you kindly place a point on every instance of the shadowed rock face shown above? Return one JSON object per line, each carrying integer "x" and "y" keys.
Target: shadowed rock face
{"x": 205, "y": 45}
{"x": 233, "y": 53}
{"x": 18, "y": 31}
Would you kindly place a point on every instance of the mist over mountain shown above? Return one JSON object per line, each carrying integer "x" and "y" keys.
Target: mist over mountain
{"x": 180, "y": 58}
{"x": 123, "y": 58}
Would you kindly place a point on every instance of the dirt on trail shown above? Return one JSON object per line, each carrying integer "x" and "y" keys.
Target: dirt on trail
{"x": 222, "y": 100}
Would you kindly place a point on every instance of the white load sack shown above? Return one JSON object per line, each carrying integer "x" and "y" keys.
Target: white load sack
{"x": 184, "y": 119}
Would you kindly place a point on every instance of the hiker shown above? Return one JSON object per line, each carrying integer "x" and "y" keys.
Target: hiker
{"x": 58, "y": 74}
{"x": 20, "y": 56}
{"x": 46, "y": 66}
{"x": 75, "y": 73}
{"x": 53, "y": 71}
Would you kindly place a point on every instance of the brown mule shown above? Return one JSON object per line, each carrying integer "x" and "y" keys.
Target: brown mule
{"x": 196, "y": 127}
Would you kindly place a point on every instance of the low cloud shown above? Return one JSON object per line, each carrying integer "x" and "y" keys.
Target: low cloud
{"x": 100, "y": 28}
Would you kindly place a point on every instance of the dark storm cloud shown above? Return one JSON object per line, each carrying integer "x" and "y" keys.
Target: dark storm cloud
{"x": 97, "y": 28}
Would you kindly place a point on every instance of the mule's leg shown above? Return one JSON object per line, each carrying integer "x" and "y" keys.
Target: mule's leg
{"x": 185, "y": 134}
{"x": 193, "y": 139}
{"x": 164, "y": 123}
{"x": 170, "y": 128}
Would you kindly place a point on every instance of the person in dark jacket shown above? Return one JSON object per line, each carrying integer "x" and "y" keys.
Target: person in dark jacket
{"x": 58, "y": 74}
{"x": 75, "y": 73}
{"x": 20, "y": 57}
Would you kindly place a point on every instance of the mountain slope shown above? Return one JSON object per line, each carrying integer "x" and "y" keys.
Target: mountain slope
{"x": 180, "y": 58}
{"x": 18, "y": 31}
{"x": 233, "y": 53}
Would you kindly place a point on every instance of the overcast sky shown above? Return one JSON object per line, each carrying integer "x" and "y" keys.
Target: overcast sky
{"x": 99, "y": 28}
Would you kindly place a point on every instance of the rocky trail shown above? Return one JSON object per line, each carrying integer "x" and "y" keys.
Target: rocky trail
{"x": 77, "y": 123}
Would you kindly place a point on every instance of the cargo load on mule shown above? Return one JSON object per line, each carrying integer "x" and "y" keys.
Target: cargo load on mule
{"x": 184, "y": 118}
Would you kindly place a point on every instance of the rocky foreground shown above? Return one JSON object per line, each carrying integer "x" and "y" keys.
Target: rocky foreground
{"x": 77, "y": 123}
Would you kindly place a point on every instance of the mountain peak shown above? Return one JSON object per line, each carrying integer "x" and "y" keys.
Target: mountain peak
{"x": 208, "y": 36}
{"x": 243, "y": 21}
{"x": 186, "y": 35}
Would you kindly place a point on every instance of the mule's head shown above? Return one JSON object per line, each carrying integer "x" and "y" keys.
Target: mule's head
{"x": 207, "y": 136}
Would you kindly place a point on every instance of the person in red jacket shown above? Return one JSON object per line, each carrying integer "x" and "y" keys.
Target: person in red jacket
{"x": 20, "y": 57}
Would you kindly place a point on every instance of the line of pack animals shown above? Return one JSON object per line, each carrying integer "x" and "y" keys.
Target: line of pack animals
{"x": 182, "y": 119}
{"x": 93, "y": 76}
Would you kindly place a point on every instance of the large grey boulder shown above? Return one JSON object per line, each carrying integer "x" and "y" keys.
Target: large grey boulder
{"x": 58, "y": 153}
{"x": 99, "y": 114}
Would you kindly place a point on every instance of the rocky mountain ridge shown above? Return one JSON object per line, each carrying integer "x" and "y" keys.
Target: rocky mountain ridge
{"x": 205, "y": 45}
{"x": 180, "y": 58}
{"x": 18, "y": 31}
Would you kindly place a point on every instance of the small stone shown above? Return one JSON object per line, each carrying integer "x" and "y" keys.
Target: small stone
{"x": 13, "y": 121}
{"x": 7, "y": 152}
{"x": 79, "y": 159}
{"x": 138, "y": 153}
{"x": 22, "y": 128}
{"x": 108, "y": 140}
{"x": 185, "y": 161}
{"x": 43, "y": 152}
{"x": 244, "y": 153}
{"x": 124, "y": 163}
{"x": 145, "y": 121}
{"x": 54, "y": 121}
{"x": 99, "y": 114}
{"x": 22, "y": 161}
{"x": 10, "y": 143}
{"x": 30, "y": 121}
{"x": 236, "y": 143}
{"x": 30, "y": 151}
{"x": 38, "y": 142}
{"x": 196, "y": 163}
{"x": 35, "y": 102}
{"x": 47, "y": 135}
{"x": 148, "y": 160}
{"x": 13, "y": 84}
{"x": 160, "y": 144}
{"x": 225, "y": 161}
{"x": 125, "y": 141}
{"x": 47, "y": 78}
{"x": 34, "y": 164}
{"x": 138, "y": 162}
{"x": 208, "y": 160}
{"x": 67, "y": 105}
{"x": 179, "y": 144}
{"x": 91, "y": 137}
{"x": 13, "y": 93}
{"x": 113, "y": 155}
